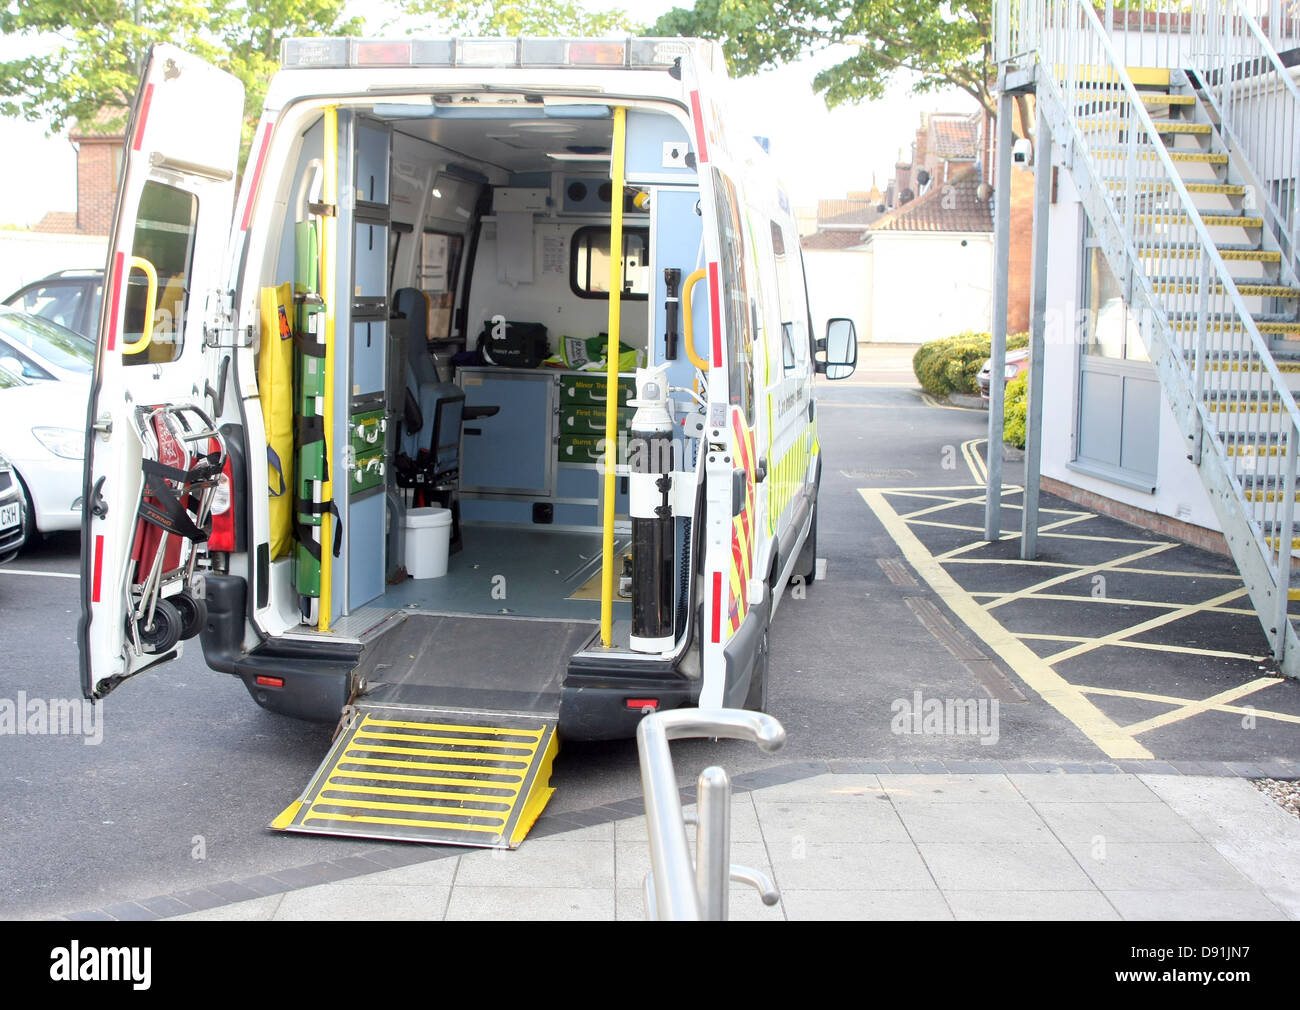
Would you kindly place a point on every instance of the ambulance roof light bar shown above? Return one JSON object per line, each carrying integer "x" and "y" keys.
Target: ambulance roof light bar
{"x": 627, "y": 53}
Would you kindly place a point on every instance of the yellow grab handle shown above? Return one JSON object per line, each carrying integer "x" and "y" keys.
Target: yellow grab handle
{"x": 687, "y": 315}
{"x": 151, "y": 304}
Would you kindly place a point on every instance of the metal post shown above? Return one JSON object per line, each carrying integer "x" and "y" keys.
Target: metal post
{"x": 1001, "y": 269}
{"x": 1037, "y": 339}
{"x": 713, "y": 844}
{"x": 1285, "y": 530}
{"x": 675, "y": 898}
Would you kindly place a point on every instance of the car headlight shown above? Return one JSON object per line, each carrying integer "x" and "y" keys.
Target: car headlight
{"x": 68, "y": 443}
{"x": 1010, "y": 372}
{"x": 5, "y": 465}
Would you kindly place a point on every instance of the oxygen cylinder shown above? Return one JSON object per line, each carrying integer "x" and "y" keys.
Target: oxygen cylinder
{"x": 650, "y": 466}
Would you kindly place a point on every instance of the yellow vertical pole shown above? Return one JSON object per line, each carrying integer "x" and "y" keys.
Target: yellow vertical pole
{"x": 617, "y": 171}
{"x": 328, "y": 240}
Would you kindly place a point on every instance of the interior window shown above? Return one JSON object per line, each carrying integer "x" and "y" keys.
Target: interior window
{"x": 438, "y": 269}
{"x": 60, "y": 303}
{"x": 589, "y": 262}
{"x": 164, "y": 237}
{"x": 734, "y": 296}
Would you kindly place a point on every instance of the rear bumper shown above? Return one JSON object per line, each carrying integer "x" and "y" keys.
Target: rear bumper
{"x": 594, "y": 704}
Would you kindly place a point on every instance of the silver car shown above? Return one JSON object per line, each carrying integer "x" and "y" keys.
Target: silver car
{"x": 13, "y": 512}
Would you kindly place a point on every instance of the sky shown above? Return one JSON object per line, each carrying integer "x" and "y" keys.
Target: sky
{"x": 820, "y": 153}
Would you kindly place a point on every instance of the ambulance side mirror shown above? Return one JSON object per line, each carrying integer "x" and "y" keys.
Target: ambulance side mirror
{"x": 840, "y": 347}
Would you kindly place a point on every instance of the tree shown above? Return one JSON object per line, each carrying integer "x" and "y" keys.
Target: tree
{"x": 944, "y": 44}
{"x": 519, "y": 17}
{"x": 86, "y": 57}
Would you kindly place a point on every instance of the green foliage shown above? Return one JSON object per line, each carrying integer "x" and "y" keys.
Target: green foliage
{"x": 945, "y": 45}
{"x": 90, "y": 73}
{"x": 518, "y": 17}
{"x": 952, "y": 364}
{"x": 1014, "y": 409}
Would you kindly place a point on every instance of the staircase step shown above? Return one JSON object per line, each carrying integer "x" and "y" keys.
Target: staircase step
{"x": 1233, "y": 325}
{"x": 1268, "y": 497}
{"x": 1213, "y": 157}
{"x": 1245, "y": 288}
{"x": 1176, "y": 126}
{"x": 1253, "y": 364}
{"x": 1163, "y": 185}
{"x": 1227, "y": 251}
{"x": 1212, "y": 220}
{"x": 1148, "y": 97}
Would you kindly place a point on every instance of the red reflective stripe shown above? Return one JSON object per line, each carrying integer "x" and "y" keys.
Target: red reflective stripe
{"x": 697, "y": 115}
{"x": 262, "y": 149}
{"x": 144, "y": 115}
{"x": 715, "y": 315}
{"x": 119, "y": 262}
{"x": 99, "y": 568}
{"x": 717, "y": 607}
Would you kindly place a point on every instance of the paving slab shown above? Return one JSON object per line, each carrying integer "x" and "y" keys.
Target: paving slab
{"x": 1055, "y": 906}
{"x": 1015, "y": 866}
{"x": 365, "y": 901}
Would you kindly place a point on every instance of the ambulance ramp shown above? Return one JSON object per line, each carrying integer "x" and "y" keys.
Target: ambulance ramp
{"x": 425, "y": 775}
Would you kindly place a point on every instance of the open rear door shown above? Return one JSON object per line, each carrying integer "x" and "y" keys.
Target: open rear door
{"x": 164, "y": 271}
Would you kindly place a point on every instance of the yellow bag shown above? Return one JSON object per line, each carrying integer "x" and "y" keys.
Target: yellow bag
{"x": 275, "y": 389}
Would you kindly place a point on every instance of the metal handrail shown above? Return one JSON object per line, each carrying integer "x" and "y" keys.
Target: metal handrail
{"x": 1080, "y": 69}
{"x": 1257, "y": 103}
{"x": 677, "y": 887}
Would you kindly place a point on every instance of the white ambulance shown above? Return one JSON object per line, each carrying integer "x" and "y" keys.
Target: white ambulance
{"x": 397, "y": 436}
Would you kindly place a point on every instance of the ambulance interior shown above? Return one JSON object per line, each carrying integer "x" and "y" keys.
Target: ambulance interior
{"x": 455, "y": 212}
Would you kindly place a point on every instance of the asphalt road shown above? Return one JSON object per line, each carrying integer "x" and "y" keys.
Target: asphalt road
{"x": 190, "y": 771}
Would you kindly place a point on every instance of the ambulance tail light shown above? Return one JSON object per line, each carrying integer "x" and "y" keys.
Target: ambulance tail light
{"x": 222, "y": 537}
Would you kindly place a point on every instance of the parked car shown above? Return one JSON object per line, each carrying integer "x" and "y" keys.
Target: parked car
{"x": 42, "y": 436}
{"x": 14, "y": 519}
{"x": 1017, "y": 362}
{"x": 69, "y": 297}
{"x": 37, "y": 348}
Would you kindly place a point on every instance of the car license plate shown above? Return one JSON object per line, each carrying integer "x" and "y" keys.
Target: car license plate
{"x": 8, "y": 515}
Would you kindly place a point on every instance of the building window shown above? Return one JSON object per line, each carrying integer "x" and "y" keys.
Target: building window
{"x": 1119, "y": 394}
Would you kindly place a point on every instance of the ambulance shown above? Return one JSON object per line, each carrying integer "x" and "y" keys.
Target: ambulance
{"x": 478, "y": 414}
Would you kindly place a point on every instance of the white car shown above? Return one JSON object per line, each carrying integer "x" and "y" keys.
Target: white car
{"x": 37, "y": 348}
{"x": 43, "y": 435}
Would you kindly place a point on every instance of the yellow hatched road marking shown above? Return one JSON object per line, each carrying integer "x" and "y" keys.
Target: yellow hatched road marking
{"x": 1216, "y": 707}
{"x": 1153, "y": 623}
{"x": 1070, "y": 576}
{"x": 1032, "y": 669}
{"x": 1148, "y": 646}
{"x": 1116, "y": 601}
{"x": 1197, "y": 707}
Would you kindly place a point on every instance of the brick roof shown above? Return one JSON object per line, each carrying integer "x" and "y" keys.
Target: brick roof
{"x": 956, "y": 139}
{"x": 951, "y": 207}
{"x": 108, "y": 122}
{"x": 828, "y": 209}
{"x": 863, "y": 216}
{"x": 58, "y": 222}
{"x": 833, "y": 240}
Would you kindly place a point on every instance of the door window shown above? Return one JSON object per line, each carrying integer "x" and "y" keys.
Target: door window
{"x": 164, "y": 238}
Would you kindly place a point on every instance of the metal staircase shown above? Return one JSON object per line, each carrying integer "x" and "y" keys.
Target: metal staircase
{"x": 1187, "y": 171}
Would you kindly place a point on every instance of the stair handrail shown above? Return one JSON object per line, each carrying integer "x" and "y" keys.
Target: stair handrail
{"x": 1055, "y": 53}
{"x": 1220, "y": 51}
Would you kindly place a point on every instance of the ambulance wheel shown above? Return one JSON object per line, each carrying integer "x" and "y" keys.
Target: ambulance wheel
{"x": 165, "y": 631}
{"x": 756, "y": 701}
{"x": 193, "y": 613}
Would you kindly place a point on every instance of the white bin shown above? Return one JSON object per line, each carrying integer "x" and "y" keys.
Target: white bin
{"x": 428, "y": 536}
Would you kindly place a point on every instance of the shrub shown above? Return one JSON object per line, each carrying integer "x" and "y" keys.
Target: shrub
{"x": 1014, "y": 411}
{"x": 952, "y": 364}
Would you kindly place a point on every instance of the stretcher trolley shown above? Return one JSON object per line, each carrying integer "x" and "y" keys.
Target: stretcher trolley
{"x": 182, "y": 464}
